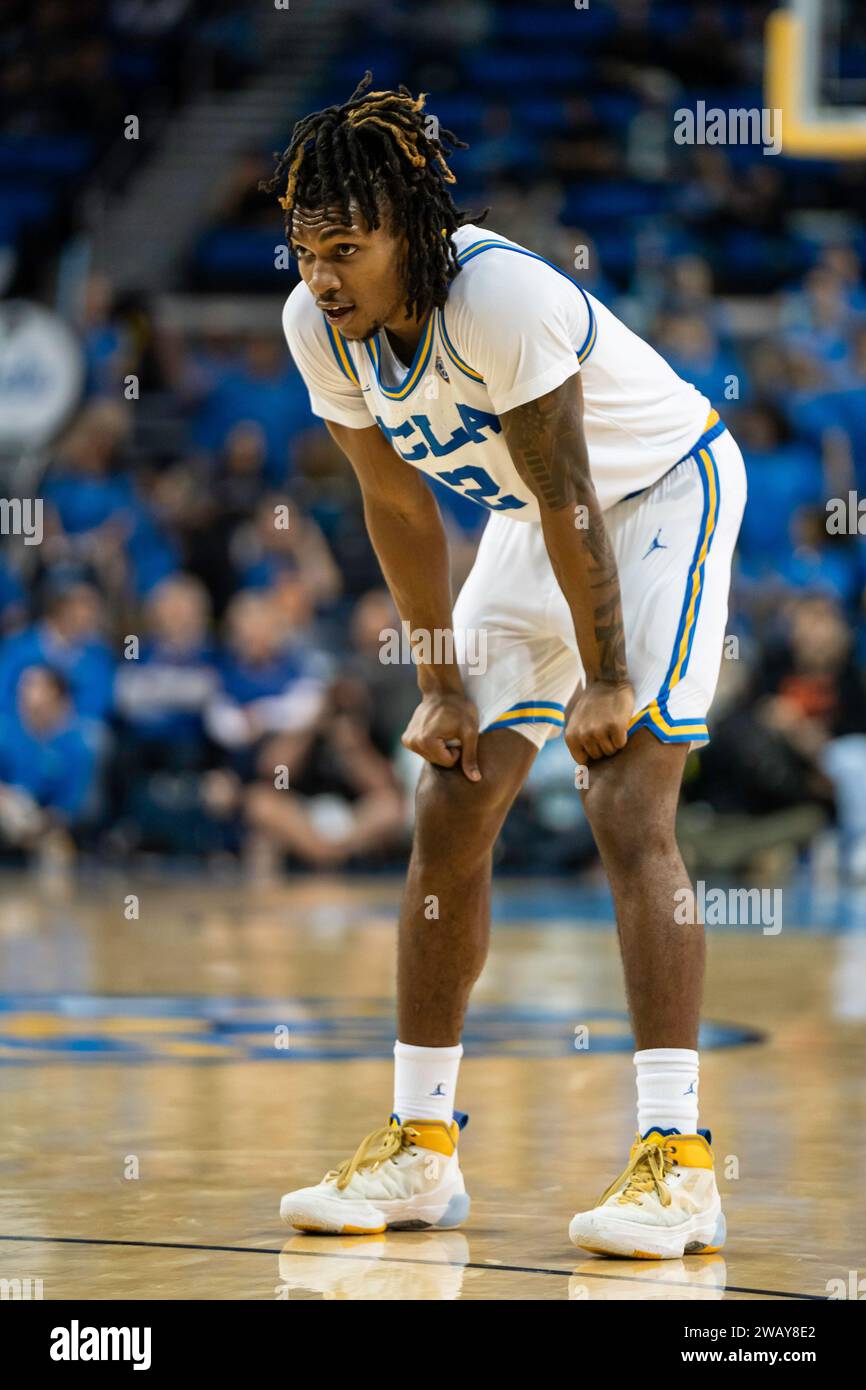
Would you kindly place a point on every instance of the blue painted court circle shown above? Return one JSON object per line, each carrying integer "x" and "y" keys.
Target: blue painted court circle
{"x": 42, "y": 1028}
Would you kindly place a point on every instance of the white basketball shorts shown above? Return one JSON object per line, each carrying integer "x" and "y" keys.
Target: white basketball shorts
{"x": 674, "y": 542}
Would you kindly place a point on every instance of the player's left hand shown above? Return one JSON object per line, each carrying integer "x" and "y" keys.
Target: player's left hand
{"x": 598, "y": 720}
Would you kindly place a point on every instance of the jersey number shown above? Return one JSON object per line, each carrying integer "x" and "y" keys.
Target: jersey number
{"x": 485, "y": 490}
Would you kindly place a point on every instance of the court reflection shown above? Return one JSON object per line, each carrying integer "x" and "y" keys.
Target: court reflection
{"x": 700, "y": 1277}
{"x": 427, "y": 1266}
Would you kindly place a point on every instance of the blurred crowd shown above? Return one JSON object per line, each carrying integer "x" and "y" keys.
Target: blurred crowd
{"x": 191, "y": 660}
{"x": 191, "y": 671}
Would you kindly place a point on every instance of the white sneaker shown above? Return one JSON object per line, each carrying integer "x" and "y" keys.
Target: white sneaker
{"x": 405, "y": 1176}
{"x": 665, "y": 1205}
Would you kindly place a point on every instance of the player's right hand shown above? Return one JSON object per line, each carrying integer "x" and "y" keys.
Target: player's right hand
{"x": 444, "y": 730}
{"x": 597, "y": 720}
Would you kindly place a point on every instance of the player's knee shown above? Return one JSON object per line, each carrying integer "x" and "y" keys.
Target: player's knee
{"x": 629, "y": 823}
{"x": 454, "y": 816}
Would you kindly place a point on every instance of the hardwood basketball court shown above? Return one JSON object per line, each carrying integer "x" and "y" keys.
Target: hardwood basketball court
{"x": 165, "y": 1079}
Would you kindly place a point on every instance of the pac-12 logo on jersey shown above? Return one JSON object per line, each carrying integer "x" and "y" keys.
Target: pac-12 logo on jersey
{"x": 440, "y": 367}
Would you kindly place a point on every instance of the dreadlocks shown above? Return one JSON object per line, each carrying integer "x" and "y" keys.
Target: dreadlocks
{"x": 378, "y": 149}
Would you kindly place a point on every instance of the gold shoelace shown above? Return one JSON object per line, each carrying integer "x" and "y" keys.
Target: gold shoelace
{"x": 376, "y": 1148}
{"x": 646, "y": 1172}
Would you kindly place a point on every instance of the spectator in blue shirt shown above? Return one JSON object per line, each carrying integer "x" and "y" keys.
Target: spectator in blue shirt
{"x": 271, "y": 696}
{"x": 281, "y": 542}
{"x": 784, "y": 476}
{"x": 96, "y": 516}
{"x": 91, "y": 501}
{"x": 162, "y": 692}
{"x": 691, "y": 347}
{"x": 48, "y": 764}
{"x": 266, "y": 389}
{"x": 824, "y": 563}
{"x": 818, "y": 317}
{"x": 105, "y": 346}
{"x": 809, "y": 398}
{"x": 67, "y": 640}
{"x": 268, "y": 684}
{"x": 162, "y": 750}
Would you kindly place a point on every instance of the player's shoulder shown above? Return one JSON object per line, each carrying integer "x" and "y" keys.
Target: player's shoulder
{"x": 303, "y": 322}
{"x": 497, "y": 274}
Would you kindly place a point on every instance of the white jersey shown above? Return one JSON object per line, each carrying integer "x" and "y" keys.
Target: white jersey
{"x": 514, "y": 327}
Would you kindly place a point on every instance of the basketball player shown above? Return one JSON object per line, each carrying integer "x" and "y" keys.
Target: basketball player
{"x": 433, "y": 347}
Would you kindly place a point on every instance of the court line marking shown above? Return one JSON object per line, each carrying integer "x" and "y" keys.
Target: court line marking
{"x": 401, "y": 1260}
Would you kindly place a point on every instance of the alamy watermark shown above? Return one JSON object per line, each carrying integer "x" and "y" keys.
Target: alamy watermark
{"x": 439, "y": 647}
{"x": 729, "y": 907}
{"x": 756, "y": 125}
{"x": 21, "y": 1290}
{"x": 846, "y": 516}
{"x": 22, "y": 516}
{"x": 77, "y": 1343}
{"x": 854, "y": 1287}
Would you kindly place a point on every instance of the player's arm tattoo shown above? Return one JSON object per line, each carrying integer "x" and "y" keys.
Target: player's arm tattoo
{"x": 548, "y": 448}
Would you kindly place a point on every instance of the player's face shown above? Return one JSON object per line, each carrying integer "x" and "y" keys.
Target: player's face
{"x": 354, "y": 274}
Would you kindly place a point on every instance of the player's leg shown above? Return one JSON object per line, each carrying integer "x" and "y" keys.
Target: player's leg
{"x": 409, "y": 1172}
{"x": 631, "y": 805}
{"x": 675, "y": 542}
{"x": 528, "y": 675}
{"x": 445, "y": 917}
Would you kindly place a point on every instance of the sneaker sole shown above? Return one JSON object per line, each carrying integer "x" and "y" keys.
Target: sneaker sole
{"x": 412, "y": 1216}
{"x": 627, "y": 1244}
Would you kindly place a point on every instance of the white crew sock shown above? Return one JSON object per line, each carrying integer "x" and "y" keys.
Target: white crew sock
{"x": 425, "y": 1080}
{"x": 667, "y": 1089}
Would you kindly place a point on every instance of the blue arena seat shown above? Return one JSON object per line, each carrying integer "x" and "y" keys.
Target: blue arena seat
{"x": 498, "y": 69}
{"x": 612, "y": 200}
{"x": 60, "y": 156}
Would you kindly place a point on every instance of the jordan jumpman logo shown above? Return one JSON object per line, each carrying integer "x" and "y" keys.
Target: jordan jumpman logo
{"x": 655, "y": 544}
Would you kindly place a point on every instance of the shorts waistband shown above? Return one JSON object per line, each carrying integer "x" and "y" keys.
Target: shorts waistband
{"x": 714, "y": 427}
